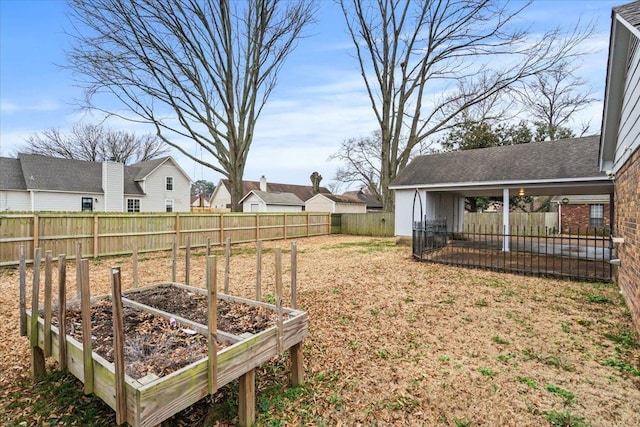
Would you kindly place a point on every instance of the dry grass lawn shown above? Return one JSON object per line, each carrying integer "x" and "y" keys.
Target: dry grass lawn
{"x": 394, "y": 342}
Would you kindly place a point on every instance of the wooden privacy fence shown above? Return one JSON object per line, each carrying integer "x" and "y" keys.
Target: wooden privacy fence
{"x": 379, "y": 224}
{"x": 545, "y": 221}
{"x": 108, "y": 233}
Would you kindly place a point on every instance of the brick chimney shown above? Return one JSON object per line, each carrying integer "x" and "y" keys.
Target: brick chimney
{"x": 263, "y": 183}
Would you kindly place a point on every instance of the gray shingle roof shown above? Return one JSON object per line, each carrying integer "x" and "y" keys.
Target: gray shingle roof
{"x": 303, "y": 192}
{"x": 56, "y": 174}
{"x": 344, "y": 198}
{"x": 630, "y": 12}
{"x": 549, "y": 160}
{"x": 11, "y": 177}
{"x": 37, "y": 172}
{"x": 277, "y": 198}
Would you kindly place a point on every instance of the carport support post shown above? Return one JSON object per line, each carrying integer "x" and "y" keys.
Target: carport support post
{"x": 505, "y": 220}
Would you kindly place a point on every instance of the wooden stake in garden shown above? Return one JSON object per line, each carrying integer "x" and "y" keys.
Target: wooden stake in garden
{"x": 47, "y": 302}
{"x": 37, "y": 356}
{"x": 23, "y": 292}
{"x": 118, "y": 346}
{"x": 62, "y": 312}
{"x": 259, "y": 270}
{"x": 212, "y": 336}
{"x": 279, "y": 323}
{"x": 227, "y": 264}
{"x": 85, "y": 306}
{"x": 187, "y": 260}
{"x": 294, "y": 275}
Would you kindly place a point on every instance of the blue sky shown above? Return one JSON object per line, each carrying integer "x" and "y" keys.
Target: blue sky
{"x": 319, "y": 102}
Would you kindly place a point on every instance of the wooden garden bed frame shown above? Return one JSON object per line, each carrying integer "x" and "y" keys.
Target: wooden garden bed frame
{"x": 150, "y": 400}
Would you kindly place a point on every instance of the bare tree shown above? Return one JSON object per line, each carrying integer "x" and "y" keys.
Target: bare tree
{"x": 95, "y": 143}
{"x": 467, "y": 51}
{"x": 361, "y": 162}
{"x": 200, "y": 70}
{"x": 553, "y": 97}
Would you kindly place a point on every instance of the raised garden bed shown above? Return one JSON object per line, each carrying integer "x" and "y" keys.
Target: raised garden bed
{"x": 153, "y": 395}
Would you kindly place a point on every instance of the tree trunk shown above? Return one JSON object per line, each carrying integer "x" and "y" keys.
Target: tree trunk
{"x": 236, "y": 190}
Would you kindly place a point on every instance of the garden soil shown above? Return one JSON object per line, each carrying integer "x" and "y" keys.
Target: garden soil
{"x": 393, "y": 342}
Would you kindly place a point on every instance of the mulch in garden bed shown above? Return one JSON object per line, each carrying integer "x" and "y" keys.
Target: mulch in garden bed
{"x": 233, "y": 317}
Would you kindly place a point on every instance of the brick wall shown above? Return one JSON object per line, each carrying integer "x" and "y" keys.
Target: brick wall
{"x": 627, "y": 226}
{"x": 577, "y": 216}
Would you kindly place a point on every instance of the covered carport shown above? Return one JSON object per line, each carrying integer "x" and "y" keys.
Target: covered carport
{"x": 432, "y": 188}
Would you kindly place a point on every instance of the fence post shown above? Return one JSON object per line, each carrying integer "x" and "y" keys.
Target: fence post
{"x": 36, "y": 231}
{"x": 23, "y": 292}
{"x": 221, "y": 228}
{"x": 178, "y": 228}
{"x": 257, "y": 226}
{"x": 308, "y": 224}
{"x": 285, "y": 225}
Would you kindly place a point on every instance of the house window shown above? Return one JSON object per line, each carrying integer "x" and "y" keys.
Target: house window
{"x": 133, "y": 205}
{"x": 169, "y": 205}
{"x": 596, "y": 216}
{"x": 87, "y": 204}
{"x": 169, "y": 183}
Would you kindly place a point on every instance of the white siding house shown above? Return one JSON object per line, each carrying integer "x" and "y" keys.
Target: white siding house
{"x": 335, "y": 204}
{"x": 262, "y": 201}
{"x": 41, "y": 183}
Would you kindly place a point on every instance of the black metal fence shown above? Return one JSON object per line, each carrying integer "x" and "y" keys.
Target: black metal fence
{"x": 578, "y": 255}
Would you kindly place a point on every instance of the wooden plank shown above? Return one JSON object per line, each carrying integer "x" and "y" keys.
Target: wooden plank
{"x": 47, "y": 302}
{"x": 279, "y": 299}
{"x": 96, "y": 230}
{"x": 134, "y": 254}
{"x": 297, "y": 367}
{"x": 36, "y": 231}
{"x": 118, "y": 346}
{"x": 259, "y": 270}
{"x": 212, "y": 336}
{"x": 227, "y": 264}
{"x": 208, "y": 252}
{"x": 247, "y": 398}
{"x": 23, "y": 292}
{"x": 37, "y": 355}
{"x": 294, "y": 275}
{"x": 174, "y": 254}
{"x": 87, "y": 348}
{"x": 62, "y": 312}
{"x": 78, "y": 269}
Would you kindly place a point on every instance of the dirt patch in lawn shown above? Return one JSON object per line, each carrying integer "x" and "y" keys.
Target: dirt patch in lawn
{"x": 394, "y": 342}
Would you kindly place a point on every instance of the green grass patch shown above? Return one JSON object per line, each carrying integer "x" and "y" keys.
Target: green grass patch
{"x": 487, "y": 372}
{"x": 366, "y": 247}
{"x": 598, "y": 299}
{"x": 61, "y": 402}
{"x": 499, "y": 340}
{"x": 564, "y": 419}
{"x": 504, "y": 357}
{"x": 568, "y": 397}
{"x": 528, "y": 381}
{"x": 621, "y": 366}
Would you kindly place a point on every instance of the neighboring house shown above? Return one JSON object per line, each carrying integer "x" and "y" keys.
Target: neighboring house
{"x": 263, "y": 201}
{"x": 221, "y": 197}
{"x": 440, "y": 182}
{"x": 373, "y": 204}
{"x": 200, "y": 201}
{"x": 620, "y": 147}
{"x": 41, "y": 183}
{"x": 335, "y": 204}
{"x": 581, "y": 212}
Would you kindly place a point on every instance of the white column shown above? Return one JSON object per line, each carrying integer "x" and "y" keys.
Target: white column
{"x": 505, "y": 219}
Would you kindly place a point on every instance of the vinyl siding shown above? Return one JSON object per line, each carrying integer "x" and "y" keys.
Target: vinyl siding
{"x": 221, "y": 197}
{"x": 113, "y": 187}
{"x": 15, "y": 201}
{"x": 319, "y": 204}
{"x": 253, "y": 199}
{"x": 64, "y": 202}
{"x": 350, "y": 208}
{"x": 157, "y": 193}
{"x": 435, "y": 205}
{"x": 628, "y": 141}
{"x": 280, "y": 208}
